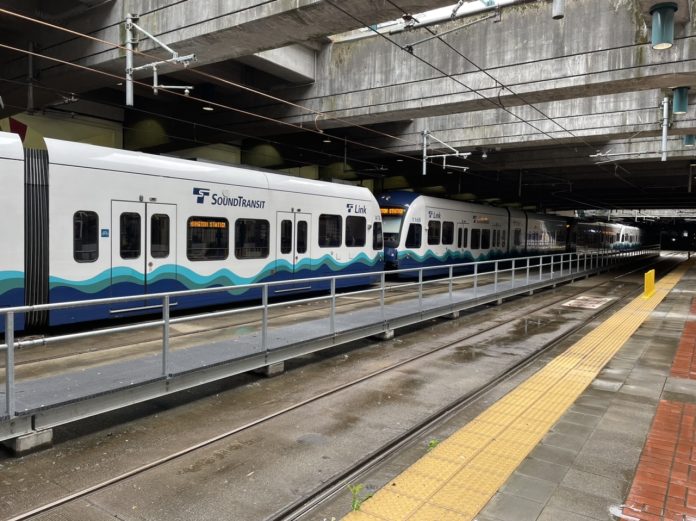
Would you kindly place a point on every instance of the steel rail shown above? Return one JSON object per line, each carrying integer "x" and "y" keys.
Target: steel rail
{"x": 339, "y": 481}
{"x": 161, "y": 461}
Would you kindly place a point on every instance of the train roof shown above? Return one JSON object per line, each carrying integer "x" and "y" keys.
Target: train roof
{"x": 81, "y": 155}
{"x": 11, "y": 146}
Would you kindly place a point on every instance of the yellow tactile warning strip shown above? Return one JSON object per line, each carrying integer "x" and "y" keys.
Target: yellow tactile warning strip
{"x": 457, "y": 478}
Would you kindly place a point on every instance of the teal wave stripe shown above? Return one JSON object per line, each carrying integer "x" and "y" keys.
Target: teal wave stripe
{"x": 10, "y": 280}
{"x": 101, "y": 281}
{"x": 445, "y": 258}
{"x": 192, "y": 280}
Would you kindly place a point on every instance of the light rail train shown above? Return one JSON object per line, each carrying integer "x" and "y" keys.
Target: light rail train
{"x": 88, "y": 222}
{"x": 422, "y": 231}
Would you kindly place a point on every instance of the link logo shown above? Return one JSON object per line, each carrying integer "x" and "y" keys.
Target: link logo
{"x": 356, "y": 208}
{"x": 201, "y": 194}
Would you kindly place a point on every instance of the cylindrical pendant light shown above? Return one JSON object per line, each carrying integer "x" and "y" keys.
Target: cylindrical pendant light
{"x": 663, "y": 24}
{"x": 680, "y": 100}
{"x": 558, "y": 9}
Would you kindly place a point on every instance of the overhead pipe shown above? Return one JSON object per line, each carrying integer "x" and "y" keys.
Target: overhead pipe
{"x": 130, "y": 39}
{"x": 665, "y": 125}
{"x": 467, "y": 10}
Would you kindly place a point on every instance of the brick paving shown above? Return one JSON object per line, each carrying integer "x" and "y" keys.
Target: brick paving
{"x": 664, "y": 486}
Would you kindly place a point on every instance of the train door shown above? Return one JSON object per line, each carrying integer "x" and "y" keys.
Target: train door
{"x": 293, "y": 248}
{"x": 143, "y": 252}
{"x": 161, "y": 249}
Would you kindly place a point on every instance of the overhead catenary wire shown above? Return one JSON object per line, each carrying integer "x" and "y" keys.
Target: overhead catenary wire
{"x": 208, "y": 102}
{"x": 451, "y": 77}
{"x": 321, "y": 113}
{"x": 234, "y": 133}
{"x": 201, "y": 73}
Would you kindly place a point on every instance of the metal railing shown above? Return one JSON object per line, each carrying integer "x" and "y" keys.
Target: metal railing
{"x": 516, "y": 272}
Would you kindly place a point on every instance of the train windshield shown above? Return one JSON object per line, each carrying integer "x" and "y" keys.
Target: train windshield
{"x": 391, "y": 225}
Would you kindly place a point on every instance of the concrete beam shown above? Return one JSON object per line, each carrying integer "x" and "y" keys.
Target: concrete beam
{"x": 682, "y": 15}
{"x": 294, "y": 63}
{"x": 581, "y": 121}
{"x": 214, "y": 31}
{"x": 528, "y": 59}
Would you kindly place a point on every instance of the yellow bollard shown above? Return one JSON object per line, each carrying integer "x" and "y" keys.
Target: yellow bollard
{"x": 649, "y": 284}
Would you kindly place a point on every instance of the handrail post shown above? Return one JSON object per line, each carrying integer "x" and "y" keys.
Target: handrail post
{"x": 495, "y": 277}
{"x": 9, "y": 364}
{"x": 165, "y": 336}
{"x": 513, "y": 273}
{"x": 475, "y": 279}
{"x": 381, "y": 296}
{"x": 451, "y": 276}
{"x": 333, "y": 305}
{"x": 264, "y": 326}
{"x": 420, "y": 290}
{"x": 552, "y": 261}
{"x": 526, "y": 283}
{"x": 541, "y": 267}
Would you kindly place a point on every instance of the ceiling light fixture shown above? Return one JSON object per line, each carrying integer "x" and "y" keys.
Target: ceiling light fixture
{"x": 208, "y": 108}
{"x": 663, "y": 24}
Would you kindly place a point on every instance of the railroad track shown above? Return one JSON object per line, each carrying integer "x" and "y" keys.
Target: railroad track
{"x": 337, "y": 482}
{"x": 345, "y": 301}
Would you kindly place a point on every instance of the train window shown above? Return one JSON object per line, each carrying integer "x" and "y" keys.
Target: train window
{"x": 377, "y": 237}
{"x": 130, "y": 235}
{"x": 475, "y": 239}
{"x": 207, "y": 238}
{"x": 302, "y": 237}
{"x": 433, "y": 232}
{"x": 465, "y": 237}
{"x": 285, "y": 236}
{"x": 329, "y": 230}
{"x": 485, "y": 239}
{"x": 459, "y": 237}
{"x": 85, "y": 236}
{"x": 159, "y": 232}
{"x": 496, "y": 238}
{"x": 517, "y": 237}
{"x": 414, "y": 236}
{"x": 356, "y": 231}
{"x": 251, "y": 238}
{"x": 447, "y": 232}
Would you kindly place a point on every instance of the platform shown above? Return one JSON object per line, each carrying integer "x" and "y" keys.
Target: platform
{"x": 43, "y": 403}
{"x": 604, "y": 431}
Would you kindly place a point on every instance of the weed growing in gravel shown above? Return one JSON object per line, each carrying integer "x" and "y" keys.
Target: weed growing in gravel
{"x": 355, "y": 491}
{"x": 433, "y": 443}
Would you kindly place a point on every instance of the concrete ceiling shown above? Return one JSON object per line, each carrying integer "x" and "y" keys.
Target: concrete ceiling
{"x": 567, "y": 112}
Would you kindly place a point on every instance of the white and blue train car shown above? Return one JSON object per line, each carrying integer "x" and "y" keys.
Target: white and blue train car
{"x": 607, "y": 237}
{"x": 422, "y": 231}
{"x": 12, "y": 227}
{"x": 121, "y": 223}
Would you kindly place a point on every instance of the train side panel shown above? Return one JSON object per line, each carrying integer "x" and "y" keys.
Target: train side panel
{"x": 12, "y": 228}
{"x": 547, "y": 234}
{"x": 171, "y": 224}
{"x": 438, "y": 232}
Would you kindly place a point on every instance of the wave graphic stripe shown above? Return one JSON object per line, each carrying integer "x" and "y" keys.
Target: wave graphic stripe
{"x": 11, "y": 280}
{"x": 223, "y": 277}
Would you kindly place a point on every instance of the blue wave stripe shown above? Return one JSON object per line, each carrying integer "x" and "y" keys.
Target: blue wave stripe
{"x": 11, "y": 280}
{"x": 223, "y": 277}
